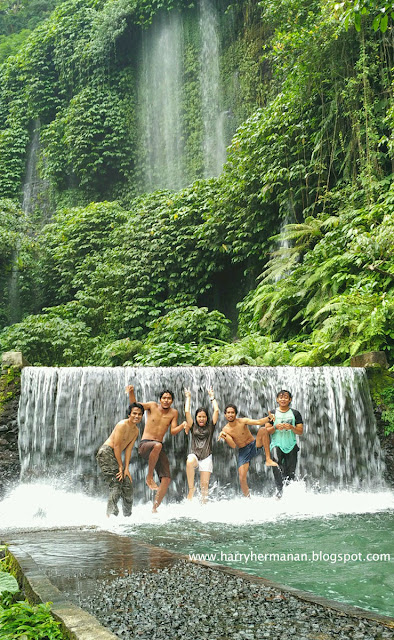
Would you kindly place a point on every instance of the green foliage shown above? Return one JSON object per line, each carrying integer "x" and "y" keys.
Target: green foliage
{"x": 180, "y": 337}
{"x": 189, "y": 324}
{"x": 68, "y": 243}
{"x": 387, "y": 398}
{"x": 9, "y": 389}
{"x": 49, "y": 340}
{"x": 17, "y": 16}
{"x": 10, "y": 228}
{"x": 379, "y": 12}
{"x": 30, "y": 622}
{"x": 117, "y": 353}
{"x": 253, "y": 350}
{"x": 334, "y": 284}
{"x": 381, "y": 383}
{"x": 10, "y": 45}
{"x": 125, "y": 268}
{"x": 91, "y": 140}
{"x": 8, "y": 583}
{"x": 168, "y": 354}
{"x": 13, "y": 143}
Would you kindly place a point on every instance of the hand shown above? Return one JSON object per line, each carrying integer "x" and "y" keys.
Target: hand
{"x": 127, "y": 475}
{"x": 188, "y": 393}
{"x": 130, "y": 387}
{"x": 211, "y": 393}
{"x": 222, "y": 435}
{"x": 287, "y": 426}
{"x": 280, "y": 426}
{"x": 271, "y": 416}
{"x": 119, "y": 475}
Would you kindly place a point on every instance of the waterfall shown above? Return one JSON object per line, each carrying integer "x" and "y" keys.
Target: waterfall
{"x": 213, "y": 117}
{"x": 160, "y": 97}
{"x": 181, "y": 120}
{"x": 65, "y": 414}
{"x": 283, "y": 245}
{"x": 33, "y": 188}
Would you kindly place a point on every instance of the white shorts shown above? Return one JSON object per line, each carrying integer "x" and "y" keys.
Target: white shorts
{"x": 203, "y": 465}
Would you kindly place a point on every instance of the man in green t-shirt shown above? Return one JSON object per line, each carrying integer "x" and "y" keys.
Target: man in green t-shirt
{"x": 283, "y": 446}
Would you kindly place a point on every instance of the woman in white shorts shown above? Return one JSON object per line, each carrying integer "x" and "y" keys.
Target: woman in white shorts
{"x": 200, "y": 455}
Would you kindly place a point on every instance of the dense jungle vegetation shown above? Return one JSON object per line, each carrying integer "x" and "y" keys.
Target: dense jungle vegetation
{"x": 287, "y": 257}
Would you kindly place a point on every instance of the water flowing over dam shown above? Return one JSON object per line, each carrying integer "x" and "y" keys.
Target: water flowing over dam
{"x": 65, "y": 414}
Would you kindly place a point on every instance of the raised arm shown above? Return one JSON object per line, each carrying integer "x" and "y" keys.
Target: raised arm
{"x": 130, "y": 391}
{"x": 188, "y": 415}
{"x": 215, "y": 406}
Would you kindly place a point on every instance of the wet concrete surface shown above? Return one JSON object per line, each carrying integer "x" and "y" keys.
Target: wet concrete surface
{"x": 73, "y": 559}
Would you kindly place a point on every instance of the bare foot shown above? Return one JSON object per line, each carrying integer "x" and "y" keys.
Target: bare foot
{"x": 191, "y": 493}
{"x": 155, "y": 505}
{"x": 151, "y": 484}
{"x": 270, "y": 463}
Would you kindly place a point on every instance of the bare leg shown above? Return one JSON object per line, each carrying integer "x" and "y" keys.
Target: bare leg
{"x": 153, "y": 458}
{"x": 164, "y": 484}
{"x": 191, "y": 466}
{"x": 263, "y": 440}
{"x": 243, "y": 474}
{"x": 204, "y": 484}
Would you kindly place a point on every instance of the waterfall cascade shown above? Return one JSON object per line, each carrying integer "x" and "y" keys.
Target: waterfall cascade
{"x": 34, "y": 190}
{"x": 179, "y": 104}
{"x": 160, "y": 103}
{"x": 214, "y": 141}
{"x": 65, "y": 414}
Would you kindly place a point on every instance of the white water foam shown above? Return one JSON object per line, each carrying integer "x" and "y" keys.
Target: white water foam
{"x": 41, "y": 506}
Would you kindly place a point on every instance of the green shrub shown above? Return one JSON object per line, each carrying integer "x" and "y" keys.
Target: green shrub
{"x": 30, "y": 622}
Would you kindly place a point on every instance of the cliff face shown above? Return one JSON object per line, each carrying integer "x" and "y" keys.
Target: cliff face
{"x": 9, "y": 455}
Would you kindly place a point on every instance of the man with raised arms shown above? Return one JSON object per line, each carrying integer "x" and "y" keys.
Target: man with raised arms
{"x": 237, "y": 434}
{"x": 160, "y": 417}
{"x": 109, "y": 458}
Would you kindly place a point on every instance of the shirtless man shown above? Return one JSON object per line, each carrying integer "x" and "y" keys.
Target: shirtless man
{"x": 160, "y": 417}
{"x": 237, "y": 434}
{"x": 109, "y": 458}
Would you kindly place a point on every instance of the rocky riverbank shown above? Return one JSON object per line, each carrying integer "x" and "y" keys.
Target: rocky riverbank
{"x": 189, "y": 601}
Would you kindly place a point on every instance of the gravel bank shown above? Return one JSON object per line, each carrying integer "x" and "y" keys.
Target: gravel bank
{"x": 190, "y": 601}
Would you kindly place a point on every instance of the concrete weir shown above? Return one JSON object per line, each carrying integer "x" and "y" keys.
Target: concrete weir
{"x": 65, "y": 566}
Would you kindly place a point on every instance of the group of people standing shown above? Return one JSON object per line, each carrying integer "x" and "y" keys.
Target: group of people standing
{"x": 276, "y": 435}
